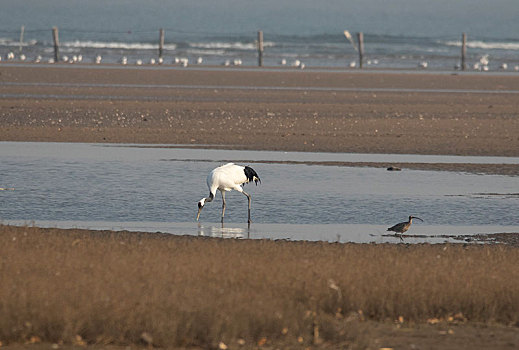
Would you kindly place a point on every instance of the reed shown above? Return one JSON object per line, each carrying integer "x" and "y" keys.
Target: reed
{"x": 102, "y": 287}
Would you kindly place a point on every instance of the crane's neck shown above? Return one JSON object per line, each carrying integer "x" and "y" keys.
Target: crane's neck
{"x": 202, "y": 202}
{"x": 210, "y": 198}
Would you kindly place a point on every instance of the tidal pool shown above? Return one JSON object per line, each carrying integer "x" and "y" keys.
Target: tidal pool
{"x": 156, "y": 188}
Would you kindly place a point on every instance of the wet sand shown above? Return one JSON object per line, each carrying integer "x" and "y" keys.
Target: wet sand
{"x": 322, "y": 111}
{"x": 282, "y": 110}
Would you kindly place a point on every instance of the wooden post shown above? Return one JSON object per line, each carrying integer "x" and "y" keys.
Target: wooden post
{"x": 22, "y": 30}
{"x": 260, "y": 48}
{"x": 463, "y": 51}
{"x": 360, "y": 38}
{"x": 161, "y": 42}
{"x": 56, "y": 44}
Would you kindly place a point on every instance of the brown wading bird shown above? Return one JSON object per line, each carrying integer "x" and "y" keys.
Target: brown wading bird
{"x": 403, "y": 226}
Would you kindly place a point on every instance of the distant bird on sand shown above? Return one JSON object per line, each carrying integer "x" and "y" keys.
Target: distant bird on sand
{"x": 226, "y": 178}
{"x": 484, "y": 60}
{"x": 403, "y": 226}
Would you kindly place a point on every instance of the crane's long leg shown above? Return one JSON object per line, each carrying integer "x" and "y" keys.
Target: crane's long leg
{"x": 249, "y": 198}
{"x": 223, "y": 205}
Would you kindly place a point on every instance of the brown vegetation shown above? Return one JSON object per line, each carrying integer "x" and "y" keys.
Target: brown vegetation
{"x": 100, "y": 287}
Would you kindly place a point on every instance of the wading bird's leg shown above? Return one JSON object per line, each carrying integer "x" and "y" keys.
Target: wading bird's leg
{"x": 248, "y": 197}
{"x": 223, "y": 205}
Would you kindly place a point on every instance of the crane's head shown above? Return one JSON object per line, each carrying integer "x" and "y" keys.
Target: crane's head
{"x": 201, "y": 204}
{"x": 251, "y": 175}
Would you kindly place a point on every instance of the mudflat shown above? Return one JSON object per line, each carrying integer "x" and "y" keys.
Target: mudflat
{"x": 263, "y": 109}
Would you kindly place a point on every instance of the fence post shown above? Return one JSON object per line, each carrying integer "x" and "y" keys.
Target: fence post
{"x": 360, "y": 38}
{"x": 463, "y": 50}
{"x": 260, "y": 48}
{"x": 56, "y": 43}
{"x": 22, "y": 30}
{"x": 161, "y": 42}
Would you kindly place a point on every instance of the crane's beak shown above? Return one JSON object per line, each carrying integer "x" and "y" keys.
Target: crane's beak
{"x": 414, "y": 217}
{"x": 199, "y": 211}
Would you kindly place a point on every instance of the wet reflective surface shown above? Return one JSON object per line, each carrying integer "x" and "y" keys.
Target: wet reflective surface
{"x": 343, "y": 233}
{"x": 151, "y": 189}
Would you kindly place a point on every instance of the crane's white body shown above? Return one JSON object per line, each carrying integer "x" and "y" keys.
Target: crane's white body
{"x": 226, "y": 178}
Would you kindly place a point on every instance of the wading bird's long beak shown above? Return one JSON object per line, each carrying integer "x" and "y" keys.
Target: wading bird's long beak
{"x": 199, "y": 211}
{"x": 414, "y": 217}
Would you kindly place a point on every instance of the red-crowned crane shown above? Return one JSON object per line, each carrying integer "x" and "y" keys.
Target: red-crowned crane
{"x": 403, "y": 226}
{"x": 228, "y": 177}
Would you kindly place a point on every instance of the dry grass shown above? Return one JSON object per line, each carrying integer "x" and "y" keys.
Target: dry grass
{"x": 75, "y": 286}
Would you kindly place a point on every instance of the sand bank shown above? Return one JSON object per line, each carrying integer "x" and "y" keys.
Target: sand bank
{"x": 324, "y": 111}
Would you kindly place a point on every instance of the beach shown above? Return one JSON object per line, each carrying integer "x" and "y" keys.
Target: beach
{"x": 259, "y": 293}
{"x": 349, "y": 111}
{"x": 103, "y": 165}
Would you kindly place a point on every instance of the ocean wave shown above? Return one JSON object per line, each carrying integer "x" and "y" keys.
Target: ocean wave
{"x": 115, "y": 45}
{"x": 11, "y": 42}
{"x": 203, "y": 52}
{"x": 486, "y": 45}
{"x": 229, "y": 45}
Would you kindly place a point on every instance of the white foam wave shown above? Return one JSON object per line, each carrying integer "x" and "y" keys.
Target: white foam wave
{"x": 486, "y": 45}
{"x": 206, "y": 52}
{"x": 229, "y": 45}
{"x": 115, "y": 45}
{"x": 11, "y": 42}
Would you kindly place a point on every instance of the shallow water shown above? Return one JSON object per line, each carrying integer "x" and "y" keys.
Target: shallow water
{"x": 151, "y": 188}
{"x": 342, "y": 233}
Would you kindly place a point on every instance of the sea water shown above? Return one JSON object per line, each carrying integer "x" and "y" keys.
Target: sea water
{"x": 397, "y": 33}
